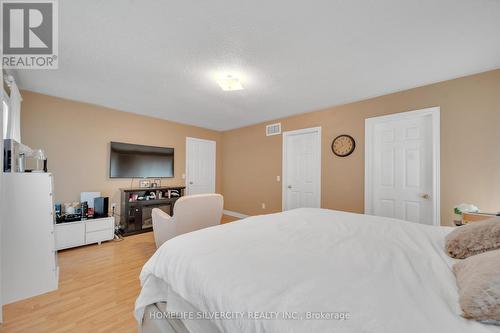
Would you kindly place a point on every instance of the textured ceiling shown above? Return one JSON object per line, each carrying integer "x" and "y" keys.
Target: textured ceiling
{"x": 159, "y": 58}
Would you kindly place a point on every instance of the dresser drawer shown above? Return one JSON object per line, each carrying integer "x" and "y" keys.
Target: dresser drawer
{"x": 101, "y": 224}
{"x": 98, "y": 236}
{"x": 69, "y": 235}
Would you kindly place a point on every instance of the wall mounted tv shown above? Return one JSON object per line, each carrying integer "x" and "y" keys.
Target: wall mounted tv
{"x": 137, "y": 161}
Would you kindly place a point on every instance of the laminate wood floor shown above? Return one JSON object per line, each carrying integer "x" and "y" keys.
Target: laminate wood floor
{"x": 98, "y": 285}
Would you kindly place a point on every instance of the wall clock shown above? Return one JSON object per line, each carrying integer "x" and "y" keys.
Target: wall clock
{"x": 343, "y": 145}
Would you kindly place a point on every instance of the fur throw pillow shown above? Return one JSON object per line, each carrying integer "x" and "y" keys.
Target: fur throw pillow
{"x": 473, "y": 238}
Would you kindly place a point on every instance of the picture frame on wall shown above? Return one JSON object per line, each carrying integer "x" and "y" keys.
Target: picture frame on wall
{"x": 144, "y": 183}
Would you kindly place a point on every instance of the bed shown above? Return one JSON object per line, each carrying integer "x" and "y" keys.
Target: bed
{"x": 304, "y": 270}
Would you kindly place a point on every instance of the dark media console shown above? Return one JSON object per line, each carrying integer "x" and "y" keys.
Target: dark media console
{"x": 138, "y": 203}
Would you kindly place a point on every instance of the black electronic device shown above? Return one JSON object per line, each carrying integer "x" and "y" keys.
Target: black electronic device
{"x": 65, "y": 218}
{"x": 101, "y": 205}
{"x": 138, "y": 161}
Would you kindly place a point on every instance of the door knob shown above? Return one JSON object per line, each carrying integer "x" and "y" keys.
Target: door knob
{"x": 425, "y": 196}
{"x": 289, "y": 186}
{"x": 190, "y": 183}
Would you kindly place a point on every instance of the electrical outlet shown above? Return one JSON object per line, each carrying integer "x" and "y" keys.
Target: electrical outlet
{"x": 113, "y": 209}
{"x": 263, "y": 205}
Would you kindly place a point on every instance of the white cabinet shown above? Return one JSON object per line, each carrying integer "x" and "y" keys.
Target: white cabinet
{"x": 69, "y": 235}
{"x": 73, "y": 234}
{"x": 99, "y": 230}
{"x": 29, "y": 260}
{"x": 98, "y": 236}
{"x": 2, "y": 191}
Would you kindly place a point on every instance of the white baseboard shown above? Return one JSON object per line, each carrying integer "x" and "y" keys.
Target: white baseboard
{"x": 235, "y": 214}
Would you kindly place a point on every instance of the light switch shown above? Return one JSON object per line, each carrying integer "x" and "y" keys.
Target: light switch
{"x": 183, "y": 176}
{"x": 278, "y": 178}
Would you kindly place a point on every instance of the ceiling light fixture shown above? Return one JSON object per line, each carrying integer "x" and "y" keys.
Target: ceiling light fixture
{"x": 229, "y": 83}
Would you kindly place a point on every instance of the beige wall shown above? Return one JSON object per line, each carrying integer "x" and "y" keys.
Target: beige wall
{"x": 470, "y": 149}
{"x": 76, "y": 139}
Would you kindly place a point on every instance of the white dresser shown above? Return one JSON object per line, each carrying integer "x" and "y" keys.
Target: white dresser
{"x": 73, "y": 234}
{"x": 29, "y": 258}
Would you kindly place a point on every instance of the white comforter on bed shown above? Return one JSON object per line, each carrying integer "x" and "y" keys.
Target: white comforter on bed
{"x": 390, "y": 276}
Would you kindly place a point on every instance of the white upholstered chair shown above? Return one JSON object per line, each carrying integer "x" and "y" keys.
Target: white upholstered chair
{"x": 191, "y": 213}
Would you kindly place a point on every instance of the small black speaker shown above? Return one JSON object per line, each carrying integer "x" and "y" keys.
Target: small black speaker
{"x": 101, "y": 206}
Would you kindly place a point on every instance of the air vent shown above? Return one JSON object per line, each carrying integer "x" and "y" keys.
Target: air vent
{"x": 273, "y": 129}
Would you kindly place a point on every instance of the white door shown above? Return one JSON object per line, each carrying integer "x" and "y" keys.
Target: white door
{"x": 200, "y": 166}
{"x": 402, "y": 166}
{"x": 302, "y": 168}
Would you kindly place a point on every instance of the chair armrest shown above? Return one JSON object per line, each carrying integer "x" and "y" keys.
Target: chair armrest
{"x": 163, "y": 226}
{"x": 160, "y": 213}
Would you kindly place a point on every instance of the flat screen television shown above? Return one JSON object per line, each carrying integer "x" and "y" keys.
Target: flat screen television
{"x": 138, "y": 161}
